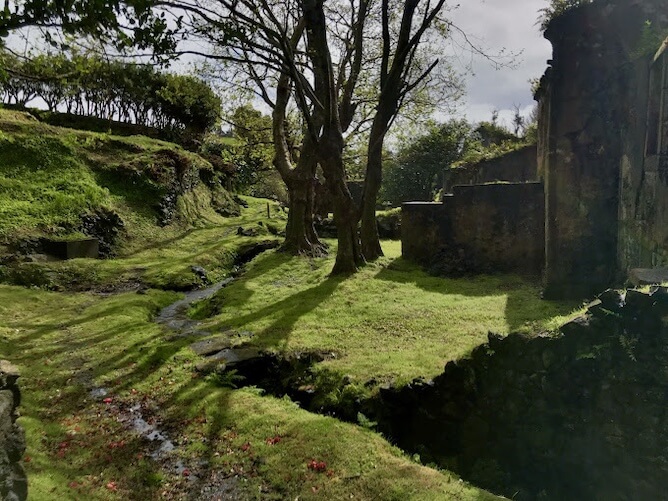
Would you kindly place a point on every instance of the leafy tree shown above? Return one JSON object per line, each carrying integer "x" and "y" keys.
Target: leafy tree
{"x": 415, "y": 173}
{"x": 88, "y": 85}
{"x": 253, "y": 152}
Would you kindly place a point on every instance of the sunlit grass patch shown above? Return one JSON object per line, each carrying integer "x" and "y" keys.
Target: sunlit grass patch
{"x": 80, "y": 447}
{"x": 390, "y": 320}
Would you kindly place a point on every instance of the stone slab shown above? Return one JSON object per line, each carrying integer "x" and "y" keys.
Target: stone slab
{"x": 211, "y": 345}
{"x": 648, "y": 276}
{"x": 71, "y": 249}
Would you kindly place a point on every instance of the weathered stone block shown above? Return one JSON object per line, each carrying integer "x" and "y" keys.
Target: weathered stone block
{"x": 71, "y": 249}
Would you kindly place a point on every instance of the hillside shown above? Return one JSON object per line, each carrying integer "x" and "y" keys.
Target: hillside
{"x": 118, "y": 402}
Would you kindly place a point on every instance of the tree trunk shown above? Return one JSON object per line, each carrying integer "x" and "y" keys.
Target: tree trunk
{"x": 374, "y": 175}
{"x": 300, "y": 236}
{"x": 349, "y": 253}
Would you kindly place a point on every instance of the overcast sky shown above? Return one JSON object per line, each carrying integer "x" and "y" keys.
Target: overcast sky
{"x": 509, "y": 24}
{"x": 497, "y": 24}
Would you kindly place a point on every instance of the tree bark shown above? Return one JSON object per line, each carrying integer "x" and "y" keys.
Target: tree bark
{"x": 300, "y": 235}
{"x": 371, "y": 248}
{"x": 326, "y": 132}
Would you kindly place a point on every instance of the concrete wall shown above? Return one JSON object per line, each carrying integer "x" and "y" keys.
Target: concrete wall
{"x": 502, "y": 225}
{"x": 519, "y": 166}
{"x": 425, "y": 229}
{"x": 592, "y": 125}
{"x": 13, "y": 482}
{"x": 482, "y": 228}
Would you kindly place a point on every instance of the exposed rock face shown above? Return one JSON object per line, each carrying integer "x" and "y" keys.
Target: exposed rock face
{"x": 576, "y": 415}
{"x": 13, "y": 482}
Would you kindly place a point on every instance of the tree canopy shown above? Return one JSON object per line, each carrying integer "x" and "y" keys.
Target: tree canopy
{"x": 88, "y": 85}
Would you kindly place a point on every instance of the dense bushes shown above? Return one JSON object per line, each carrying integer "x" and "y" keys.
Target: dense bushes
{"x": 90, "y": 86}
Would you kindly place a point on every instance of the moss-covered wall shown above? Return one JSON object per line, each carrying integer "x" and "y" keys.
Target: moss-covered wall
{"x": 518, "y": 166}
{"x": 580, "y": 414}
{"x": 13, "y": 482}
{"x": 480, "y": 228}
{"x": 604, "y": 209}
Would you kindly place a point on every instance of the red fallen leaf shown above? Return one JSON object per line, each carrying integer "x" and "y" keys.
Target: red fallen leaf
{"x": 112, "y": 486}
{"x": 108, "y": 400}
{"x": 246, "y": 446}
{"x": 73, "y": 485}
{"x": 61, "y": 453}
{"x": 63, "y": 445}
{"x": 186, "y": 472}
{"x": 273, "y": 440}
{"x": 317, "y": 466}
{"x": 27, "y": 459}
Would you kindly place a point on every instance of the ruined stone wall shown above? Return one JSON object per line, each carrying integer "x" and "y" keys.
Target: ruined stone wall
{"x": 519, "y": 166}
{"x": 480, "y": 229}
{"x": 425, "y": 228}
{"x": 580, "y": 414}
{"x": 593, "y": 104}
{"x": 13, "y": 482}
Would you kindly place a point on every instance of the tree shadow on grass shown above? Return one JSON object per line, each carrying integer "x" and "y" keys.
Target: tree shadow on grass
{"x": 285, "y": 312}
{"x": 524, "y": 310}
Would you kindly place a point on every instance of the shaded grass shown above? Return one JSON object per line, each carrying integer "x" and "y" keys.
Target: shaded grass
{"x": 390, "y": 321}
{"x": 65, "y": 344}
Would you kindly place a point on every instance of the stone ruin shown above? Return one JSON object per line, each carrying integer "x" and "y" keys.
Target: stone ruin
{"x": 594, "y": 203}
{"x": 13, "y": 482}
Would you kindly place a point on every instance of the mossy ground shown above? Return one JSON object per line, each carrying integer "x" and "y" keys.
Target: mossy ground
{"x": 51, "y": 176}
{"x": 67, "y": 343}
{"x": 388, "y": 322}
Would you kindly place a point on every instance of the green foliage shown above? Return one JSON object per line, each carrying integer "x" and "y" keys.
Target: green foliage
{"x": 491, "y": 140}
{"x": 252, "y": 154}
{"x": 415, "y": 172}
{"x": 90, "y": 86}
{"x": 650, "y": 40}
{"x": 557, "y": 8}
{"x": 120, "y": 23}
{"x": 225, "y": 378}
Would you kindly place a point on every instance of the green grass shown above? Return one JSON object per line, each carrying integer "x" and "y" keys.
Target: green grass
{"x": 51, "y": 176}
{"x": 166, "y": 262}
{"x": 78, "y": 449}
{"x": 391, "y": 321}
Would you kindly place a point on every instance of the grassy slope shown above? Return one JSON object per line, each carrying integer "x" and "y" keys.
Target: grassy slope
{"x": 50, "y": 176}
{"x": 77, "y": 448}
{"x": 390, "y": 321}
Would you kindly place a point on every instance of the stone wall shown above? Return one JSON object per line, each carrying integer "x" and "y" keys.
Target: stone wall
{"x": 580, "y": 414}
{"x": 593, "y": 115}
{"x": 481, "y": 228}
{"x": 519, "y": 166}
{"x": 13, "y": 482}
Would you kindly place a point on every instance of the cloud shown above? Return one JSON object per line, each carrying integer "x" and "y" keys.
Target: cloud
{"x": 496, "y": 25}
